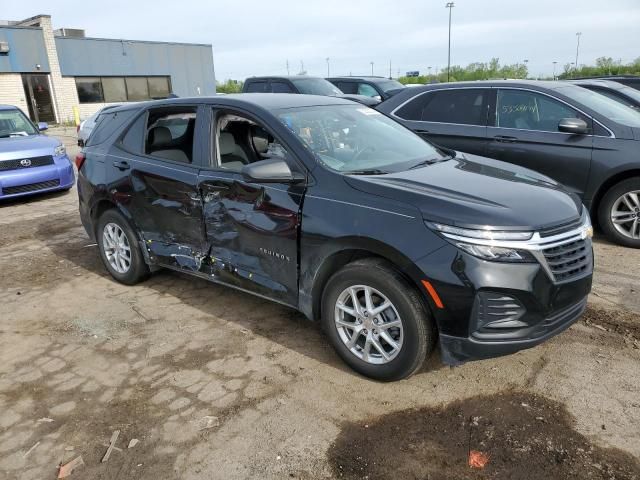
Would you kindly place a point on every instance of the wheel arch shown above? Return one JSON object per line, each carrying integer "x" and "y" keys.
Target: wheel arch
{"x": 606, "y": 186}
{"x": 343, "y": 252}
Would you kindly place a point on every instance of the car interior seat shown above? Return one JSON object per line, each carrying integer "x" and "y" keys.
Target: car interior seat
{"x": 231, "y": 155}
{"x": 161, "y": 145}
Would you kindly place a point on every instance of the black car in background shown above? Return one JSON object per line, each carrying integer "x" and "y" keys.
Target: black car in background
{"x": 302, "y": 84}
{"x": 632, "y": 81}
{"x": 580, "y": 138}
{"x": 616, "y": 91}
{"x": 380, "y": 88}
{"x": 336, "y": 210}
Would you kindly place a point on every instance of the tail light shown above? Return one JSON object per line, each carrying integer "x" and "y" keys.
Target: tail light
{"x": 80, "y": 158}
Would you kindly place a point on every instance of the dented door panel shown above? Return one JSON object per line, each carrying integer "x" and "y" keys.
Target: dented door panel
{"x": 252, "y": 233}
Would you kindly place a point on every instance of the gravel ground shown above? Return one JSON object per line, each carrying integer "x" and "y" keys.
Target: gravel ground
{"x": 214, "y": 383}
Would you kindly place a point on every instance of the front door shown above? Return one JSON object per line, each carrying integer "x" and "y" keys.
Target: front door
{"x": 154, "y": 177}
{"x": 252, "y": 229}
{"x": 524, "y": 131}
{"x": 38, "y": 94}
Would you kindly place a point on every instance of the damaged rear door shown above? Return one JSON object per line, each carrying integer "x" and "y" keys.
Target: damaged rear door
{"x": 157, "y": 170}
{"x": 252, "y": 229}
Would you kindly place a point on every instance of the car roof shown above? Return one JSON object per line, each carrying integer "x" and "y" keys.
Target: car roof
{"x": 8, "y": 107}
{"x": 358, "y": 77}
{"x": 282, "y": 77}
{"x": 266, "y": 101}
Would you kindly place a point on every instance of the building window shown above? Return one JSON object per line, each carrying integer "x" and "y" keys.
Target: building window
{"x": 122, "y": 89}
{"x": 114, "y": 89}
{"x": 89, "y": 90}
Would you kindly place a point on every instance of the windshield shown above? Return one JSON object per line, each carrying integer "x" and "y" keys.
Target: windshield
{"x": 352, "y": 138}
{"x": 316, "y": 86}
{"x": 388, "y": 85}
{"x": 606, "y": 107}
{"x": 13, "y": 123}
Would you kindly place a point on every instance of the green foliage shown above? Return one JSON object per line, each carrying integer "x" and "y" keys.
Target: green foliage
{"x": 473, "y": 71}
{"x": 230, "y": 86}
{"x": 603, "y": 66}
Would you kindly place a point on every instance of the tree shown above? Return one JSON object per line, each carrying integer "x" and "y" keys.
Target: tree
{"x": 229, "y": 86}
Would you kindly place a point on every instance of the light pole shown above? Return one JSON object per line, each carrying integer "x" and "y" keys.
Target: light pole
{"x": 371, "y": 68}
{"x": 578, "y": 35}
{"x": 554, "y": 70}
{"x": 450, "y": 6}
{"x": 328, "y": 74}
{"x": 429, "y": 74}
{"x": 525, "y": 67}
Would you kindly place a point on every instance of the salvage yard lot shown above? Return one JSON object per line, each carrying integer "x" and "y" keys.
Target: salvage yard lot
{"x": 216, "y": 383}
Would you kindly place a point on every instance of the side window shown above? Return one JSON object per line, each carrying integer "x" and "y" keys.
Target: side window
{"x": 257, "y": 87}
{"x": 107, "y": 124}
{"x": 368, "y": 90}
{"x": 241, "y": 141}
{"x": 466, "y": 106}
{"x": 348, "y": 87}
{"x": 527, "y": 110}
{"x": 169, "y": 133}
{"x": 133, "y": 140}
{"x": 281, "y": 87}
{"x": 412, "y": 110}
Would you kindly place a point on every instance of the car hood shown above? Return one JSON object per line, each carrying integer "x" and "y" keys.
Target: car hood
{"x": 475, "y": 192}
{"x": 25, "y": 147}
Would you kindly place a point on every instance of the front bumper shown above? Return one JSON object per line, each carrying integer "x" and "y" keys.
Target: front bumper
{"x": 491, "y": 309}
{"x": 28, "y": 181}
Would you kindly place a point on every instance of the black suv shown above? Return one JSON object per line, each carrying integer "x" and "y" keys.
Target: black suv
{"x": 580, "y": 138}
{"x": 380, "y": 88}
{"x": 632, "y": 81}
{"x": 302, "y": 84}
{"x": 336, "y": 210}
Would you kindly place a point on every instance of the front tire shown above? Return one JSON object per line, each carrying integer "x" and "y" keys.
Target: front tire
{"x": 619, "y": 213}
{"x": 119, "y": 249}
{"x": 376, "y": 320}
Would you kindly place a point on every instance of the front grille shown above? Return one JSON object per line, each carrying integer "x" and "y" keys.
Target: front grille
{"x": 34, "y": 162}
{"x": 31, "y": 187}
{"x": 559, "y": 229}
{"x": 496, "y": 311}
{"x": 569, "y": 260}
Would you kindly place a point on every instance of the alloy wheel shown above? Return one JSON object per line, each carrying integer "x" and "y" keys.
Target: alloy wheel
{"x": 625, "y": 214}
{"x": 116, "y": 248}
{"x": 368, "y": 324}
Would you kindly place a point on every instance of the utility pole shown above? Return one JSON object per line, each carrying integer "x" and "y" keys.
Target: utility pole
{"x": 371, "y": 68}
{"x": 554, "y": 70}
{"x": 578, "y": 35}
{"x": 328, "y": 74}
{"x": 450, "y": 6}
{"x": 390, "y": 76}
{"x": 525, "y": 66}
{"x": 288, "y": 68}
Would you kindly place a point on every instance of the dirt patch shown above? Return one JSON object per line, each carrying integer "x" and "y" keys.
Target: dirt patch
{"x": 525, "y": 436}
{"x": 623, "y": 322}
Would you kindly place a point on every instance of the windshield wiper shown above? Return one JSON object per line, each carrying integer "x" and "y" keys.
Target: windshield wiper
{"x": 369, "y": 171}
{"x": 429, "y": 161}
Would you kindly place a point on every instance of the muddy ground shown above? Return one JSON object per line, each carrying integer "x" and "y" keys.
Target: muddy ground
{"x": 215, "y": 383}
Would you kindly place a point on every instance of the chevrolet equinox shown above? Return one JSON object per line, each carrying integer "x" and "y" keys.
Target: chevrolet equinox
{"x": 336, "y": 210}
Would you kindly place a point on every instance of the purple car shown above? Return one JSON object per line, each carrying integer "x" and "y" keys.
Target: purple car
{"x": 30, "y": 162}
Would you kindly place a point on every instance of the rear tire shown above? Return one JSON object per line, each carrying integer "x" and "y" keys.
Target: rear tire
{"x": 619, "y": 213}
{"x": 119, "y": 249}
{"x": 379, "y": 360}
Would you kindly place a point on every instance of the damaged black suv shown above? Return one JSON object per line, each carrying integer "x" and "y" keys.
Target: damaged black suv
{"x": 334, "y": 209}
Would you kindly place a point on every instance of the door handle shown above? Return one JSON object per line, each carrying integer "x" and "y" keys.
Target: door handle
{"x": 121, "y": 165}
{"x": 505, "y": 139}
{"x": 422, "y": 131}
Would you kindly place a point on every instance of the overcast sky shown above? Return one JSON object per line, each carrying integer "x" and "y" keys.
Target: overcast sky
{"x": 257, "y": 37}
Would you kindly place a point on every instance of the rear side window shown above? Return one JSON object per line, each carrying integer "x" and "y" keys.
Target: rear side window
{"x": 281, "y": 87}
{"x": 348, "y": 87}
{"x": 133, "y": 140}
{"x": 107, "y": 124}
{"x": 367, "y": 90}
{"x": 169, "y": 133}
{"x": 257, "y": 87}
{"x": 464, "y": 106}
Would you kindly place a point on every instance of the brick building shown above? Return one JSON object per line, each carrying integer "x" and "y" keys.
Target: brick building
{"x": 51, "y": 73}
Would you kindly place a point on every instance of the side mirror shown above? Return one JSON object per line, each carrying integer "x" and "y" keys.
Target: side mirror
{"x": 272, "y": 170}
{"x": 43, "y": 126}
{"x": 576, "y": 126}
{"x": 377, "y": 97}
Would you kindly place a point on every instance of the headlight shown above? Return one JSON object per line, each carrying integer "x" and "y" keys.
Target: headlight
{"x": 59, "y": 151}
{"x": 497, "y": 254}
{"x": 482, "y": 243}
